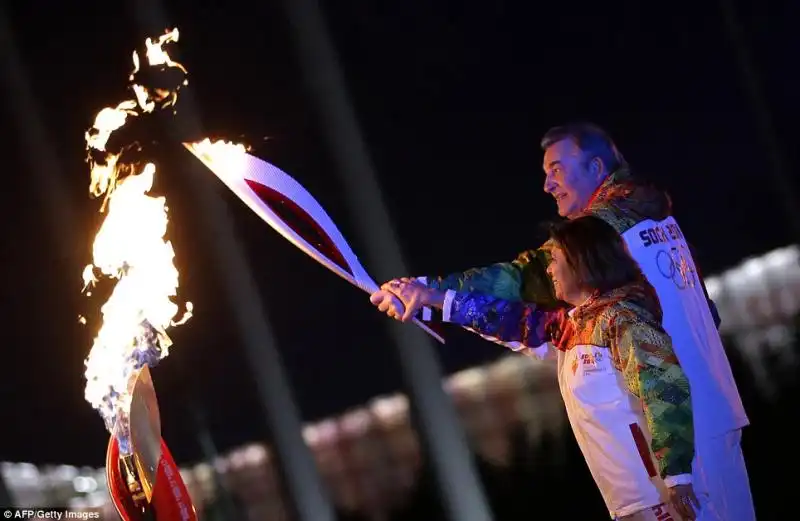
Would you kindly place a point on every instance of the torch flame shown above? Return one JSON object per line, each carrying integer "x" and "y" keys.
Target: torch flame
{"x": 129, "y": 247}
{"x": 156, "y": 56}
{"x": 220, "y": 151}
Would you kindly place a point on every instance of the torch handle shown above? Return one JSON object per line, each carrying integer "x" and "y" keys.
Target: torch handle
{"x": 370, "y": 287}
{"x": 428, "y": 330}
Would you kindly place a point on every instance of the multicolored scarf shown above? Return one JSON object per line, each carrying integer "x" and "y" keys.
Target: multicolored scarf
{"x": 567, "y": 328}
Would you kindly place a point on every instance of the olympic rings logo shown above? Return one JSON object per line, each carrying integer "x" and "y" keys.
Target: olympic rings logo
{"x": 679, "y": 268}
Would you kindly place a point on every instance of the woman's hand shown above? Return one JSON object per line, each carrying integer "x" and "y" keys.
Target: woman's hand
{"x": 403, "y": 298}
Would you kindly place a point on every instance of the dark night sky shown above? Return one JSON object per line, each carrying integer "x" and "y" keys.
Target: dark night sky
{"x": 452, "y": 99}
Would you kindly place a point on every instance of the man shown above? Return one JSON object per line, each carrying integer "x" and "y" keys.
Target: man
{"x": 586, "y": 175}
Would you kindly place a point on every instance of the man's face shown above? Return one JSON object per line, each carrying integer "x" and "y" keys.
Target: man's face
{"x": 570, "y": 177}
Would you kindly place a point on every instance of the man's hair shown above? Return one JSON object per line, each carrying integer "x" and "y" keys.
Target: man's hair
{"x": 590, "y": 138}
{"x": 596, "y": 254}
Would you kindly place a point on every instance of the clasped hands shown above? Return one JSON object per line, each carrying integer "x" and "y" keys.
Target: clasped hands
{"x": 402, "y": 298}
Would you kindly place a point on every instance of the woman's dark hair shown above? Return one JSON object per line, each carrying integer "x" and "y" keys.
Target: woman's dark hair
{"x": 596, "y": 254}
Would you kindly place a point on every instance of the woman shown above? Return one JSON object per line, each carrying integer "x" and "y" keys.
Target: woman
{"x": 627, "y": 398}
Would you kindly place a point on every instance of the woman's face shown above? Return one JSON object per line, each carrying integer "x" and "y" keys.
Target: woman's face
{"x": 564, "y": 283}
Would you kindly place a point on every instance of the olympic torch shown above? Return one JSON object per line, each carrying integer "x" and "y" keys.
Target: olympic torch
{"x": 131, "y": 252}
{"x": 286, "y": 206}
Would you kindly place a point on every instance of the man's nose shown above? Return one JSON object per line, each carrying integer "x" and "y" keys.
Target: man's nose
{"x": 549, "y": 185}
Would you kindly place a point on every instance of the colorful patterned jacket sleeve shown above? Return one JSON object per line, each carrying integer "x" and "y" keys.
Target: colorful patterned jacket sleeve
{"x": 514, "y": 324}
{"x": 524, "y": 278}
{"x": 651, "y": 370}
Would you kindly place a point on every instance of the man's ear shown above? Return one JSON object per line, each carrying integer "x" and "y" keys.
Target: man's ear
{"x": 598, "y": 169}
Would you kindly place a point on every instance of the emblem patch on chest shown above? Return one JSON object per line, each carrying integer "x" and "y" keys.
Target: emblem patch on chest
{"x": 589, "y": 362}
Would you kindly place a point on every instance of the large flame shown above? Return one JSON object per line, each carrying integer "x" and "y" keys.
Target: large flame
{"x": 131, "y": 248}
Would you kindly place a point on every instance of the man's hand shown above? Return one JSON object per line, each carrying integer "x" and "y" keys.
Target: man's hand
{"x": 412, "y": 297}
{"x": 684, "y": 501}
{"x": 387, "y": 302}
